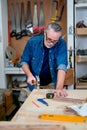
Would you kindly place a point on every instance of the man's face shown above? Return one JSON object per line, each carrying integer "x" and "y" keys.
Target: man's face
{"x": 51, "y": 38}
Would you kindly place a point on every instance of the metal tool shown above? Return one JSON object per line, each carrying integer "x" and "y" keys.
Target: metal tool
{"x": 23, "y": 29}
{"x": 61, "y": 10}
{"x": 41, "y": 16}
{"x": 35, "y": 20}
{"x": 29, "y": 25}
{"x": 13, "y": 26}
{"x": 18, "y": 27}
{"x": 41, "y": 19}
{"x": 36, "y": 82}
{"x": 35, "y": 16}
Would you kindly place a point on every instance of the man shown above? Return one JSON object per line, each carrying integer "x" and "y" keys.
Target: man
{"x": 46, "y": 57}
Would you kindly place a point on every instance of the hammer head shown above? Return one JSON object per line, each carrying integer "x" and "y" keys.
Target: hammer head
{"x": 36, "y": 82}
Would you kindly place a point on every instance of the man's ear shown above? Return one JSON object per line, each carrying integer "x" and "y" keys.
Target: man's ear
{"x": 44, "y": 31}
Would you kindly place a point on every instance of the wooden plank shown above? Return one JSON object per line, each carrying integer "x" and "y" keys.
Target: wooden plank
{"x": 10, "y": 110}
{"x": 26, "y": 126}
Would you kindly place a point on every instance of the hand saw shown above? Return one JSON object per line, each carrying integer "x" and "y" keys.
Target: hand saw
{"x": 13, "y": 26}
{"x": 18, "y": 27}
{"x": 65, "y": 118}
{"x": 23, "y": 29}
{"x": 39, "y": 29}
{"x": 29, "y": 25}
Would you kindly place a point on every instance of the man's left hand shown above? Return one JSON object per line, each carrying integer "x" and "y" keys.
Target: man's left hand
{"x": 60, "y": 93}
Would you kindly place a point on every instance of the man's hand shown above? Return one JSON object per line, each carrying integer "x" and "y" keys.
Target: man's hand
{"x": 31, "y": 79}
{"x": 60, "y": 93}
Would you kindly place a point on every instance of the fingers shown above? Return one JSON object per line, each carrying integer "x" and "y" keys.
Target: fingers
{"x": 60, "y": 93}
{"x": 31, "y": 81}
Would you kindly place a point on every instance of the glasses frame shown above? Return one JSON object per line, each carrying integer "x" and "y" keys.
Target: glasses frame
{"x": 50, "y": 40}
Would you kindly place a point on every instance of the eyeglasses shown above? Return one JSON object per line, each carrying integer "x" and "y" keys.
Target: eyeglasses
{"x": 50, "y": 40}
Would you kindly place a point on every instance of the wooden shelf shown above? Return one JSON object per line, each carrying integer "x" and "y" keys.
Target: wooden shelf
{"x": 81, "y": 84}
{"x": 81, "y": 31}
{"x": 81, "y": 59}
{"x": 14, "y": 70}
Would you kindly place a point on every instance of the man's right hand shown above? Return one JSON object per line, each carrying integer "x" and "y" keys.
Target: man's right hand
{"x": 31, "y": 79}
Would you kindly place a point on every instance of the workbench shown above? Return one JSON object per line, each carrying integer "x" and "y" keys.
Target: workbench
{"x": 28, "y": 114}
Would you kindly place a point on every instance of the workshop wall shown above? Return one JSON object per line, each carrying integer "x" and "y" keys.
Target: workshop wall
{"x": 19, "y": 44}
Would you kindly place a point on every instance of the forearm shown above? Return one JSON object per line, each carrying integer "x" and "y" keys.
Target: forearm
{"x": 60, "y": 79}
{"x": 26, "y": 69}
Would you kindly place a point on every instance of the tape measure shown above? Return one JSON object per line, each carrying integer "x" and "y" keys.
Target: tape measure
{"x": 50, "y": 95}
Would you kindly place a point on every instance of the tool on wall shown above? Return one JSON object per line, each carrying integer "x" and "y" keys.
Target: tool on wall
{"x": 60, "y": 11}
{"x": 18, "y": 27}
{"x": 35, "y": 19}
{"x": 57, "y": 9}
{"x": 54, "y": 18}
{"x": 35, "y": 16}
{"x": 41, "y": 19}
{"x": 13, "y": 26}
{"x": 23, "y": 29}
{"x": 38, "y": 25}
{"x": 29, "y": 24}
{"x": 41, "y": 14}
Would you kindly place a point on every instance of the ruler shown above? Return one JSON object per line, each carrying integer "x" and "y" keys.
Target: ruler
{"x": 65, "y": 118}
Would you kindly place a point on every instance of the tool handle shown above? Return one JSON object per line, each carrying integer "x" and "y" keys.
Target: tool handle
{"x": 34, "y": 82}
{"x": 42, "y": 101}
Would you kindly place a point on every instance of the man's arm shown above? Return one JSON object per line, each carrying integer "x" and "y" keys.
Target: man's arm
{"x": 60, "y": 83}
{"x": 60, "y": 79}
{"x": 27, "y": 71}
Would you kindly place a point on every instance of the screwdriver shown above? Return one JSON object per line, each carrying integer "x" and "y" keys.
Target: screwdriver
{"x": 42, "y": 101}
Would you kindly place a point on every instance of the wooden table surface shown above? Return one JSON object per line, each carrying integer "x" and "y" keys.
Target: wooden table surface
{"x": 29, "y": 113}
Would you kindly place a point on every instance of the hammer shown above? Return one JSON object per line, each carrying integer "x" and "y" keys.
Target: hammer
{"x": 36, "y": 82}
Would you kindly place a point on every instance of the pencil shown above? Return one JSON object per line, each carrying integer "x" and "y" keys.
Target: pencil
{"x": 35, "y": 104}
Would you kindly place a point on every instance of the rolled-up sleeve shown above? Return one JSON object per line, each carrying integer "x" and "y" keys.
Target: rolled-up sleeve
{"x": 61, "y": 57}
{"x": 25, "y": 58}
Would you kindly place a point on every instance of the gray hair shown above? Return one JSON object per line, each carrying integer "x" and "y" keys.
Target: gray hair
{"x": 55, "y": 26}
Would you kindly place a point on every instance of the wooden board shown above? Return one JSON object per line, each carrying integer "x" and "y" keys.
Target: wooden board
{"x": 26, "y": 126}
{"x": 27, "y": 117}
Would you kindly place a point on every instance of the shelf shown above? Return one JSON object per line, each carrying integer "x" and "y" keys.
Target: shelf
{"x": 81, "y": 31}
{"x": 81, "y": 85}
{"x": 14, "y": 70}
{"x": 81, "y": 59}
{"x": 81, "y": 5}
